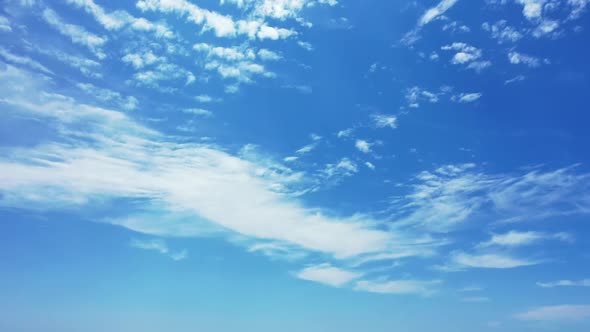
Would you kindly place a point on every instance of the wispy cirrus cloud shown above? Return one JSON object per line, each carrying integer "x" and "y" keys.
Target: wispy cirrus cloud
{"x": 565, "y": 283}
{"x": 118, "y": 148}
{"x": 450, "y": 195}
{"x": 76, "y": 33}
{"x": 23, "y": 60}
{"x": 106, "y": 95}
{"x": 428, "y": 16}
{"x": 436, "y": 11}
{"x": 385, "y": 286}
{"x": 519, "y": 239}
{"x": 461, "y": 260}
{"x": 566, "y": 312}
{"x": 159, "y": 246}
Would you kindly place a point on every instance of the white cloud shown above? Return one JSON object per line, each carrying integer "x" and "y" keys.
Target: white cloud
{"x": 268, "y": 55}
{"x": 230, "y": 54}
{"x": 315, "y": 137}
{"x": 328, "y": 275}
{"x": 76, "y": 33}
{"x": 488, "y": 261}
{"x": 106, "y": 95}
{"x": 532, "y": 9}
{"x": 567, "y": 312}
{"x": 118, "y": 158}
{"x": 113, "y": 21}
{"x": 305, "y": 45}
{"x": 23, "y": 60}
{"x": 383, "y": 120}
{"x": 429, "y": 15}
{"x": 565, "y": 283}
{"x": 160, "y": 30}
{"x": 205, "y": 99}
{"x": 120, "y": 19}
{"x": 277, "y": 9}
{"x": 306, "y": 149}
{"x": 235, "y": 62}
{"x": 546, "y": 27}
{"x": 290, "y": 159}
{"x": 502, "y": 32}
{"x": 363, "y": 146}
{"x": 343, "y": 168}
{"x": 306, "y": 89}
{"x": 163, "y": 72}
{"x": 517, "y": 78}
{"x": 415, "y": 95}
{"x": 478, "y": 66}
{"x": 518, "y": 239}
{"x": 442, "y": 199}
{"x": 199, "y": 112}
{"x": 159, "y": 246}
{"x": 436, "y": 11}
{"x": 456, "y": 27}
{"x": 516, "y": 58}
{"x": 277, "y": 251}
{"x": 221, "y": 25}
{"x": 370, "y": 165}
{"x": 384, "y": 286}
{"x": 86, "y": 66}
{"x": 268, "y": 32}
{"x": 5, "y": 24}
{"x": 345, "y": 133}
{"x": 577, "y": 7}
{"x": 469, "y": 289}
{"x": 467, "y": 97}
{"x": 467, "y": 55}
{"x": 140, "y": 60}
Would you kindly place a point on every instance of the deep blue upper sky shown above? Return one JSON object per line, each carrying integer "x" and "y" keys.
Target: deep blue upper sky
{"x": 294, "y": 165}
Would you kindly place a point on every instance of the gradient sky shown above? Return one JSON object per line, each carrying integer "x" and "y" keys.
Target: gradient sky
{"x": 294, "y": 165}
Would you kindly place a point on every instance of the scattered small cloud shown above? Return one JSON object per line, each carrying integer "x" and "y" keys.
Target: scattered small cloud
{"x": 384, "y": 121}
{"x": 363, "y": 146}
{"x": 328, "y": 275}
{"x": 467, "y": 97}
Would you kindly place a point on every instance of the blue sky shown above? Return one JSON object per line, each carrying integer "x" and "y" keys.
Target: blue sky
{"x": 294, "y": 165}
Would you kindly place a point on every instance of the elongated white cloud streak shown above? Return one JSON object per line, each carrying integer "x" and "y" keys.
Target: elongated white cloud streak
{"x": 397, "y": 286}
{"x": 567, "y": 312}
{"x": 518, "y": 239}
{"x": 118, "y": 158}
{"x": 436, "y": 11}
{"x": 327, "y": 274}
{"x": 159, "y": 246}
{"x": 489, "y": 261}
{"x": 565, "y": 283}
{"x": 23, "y": 60}
{"x": 76, "y": 33}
